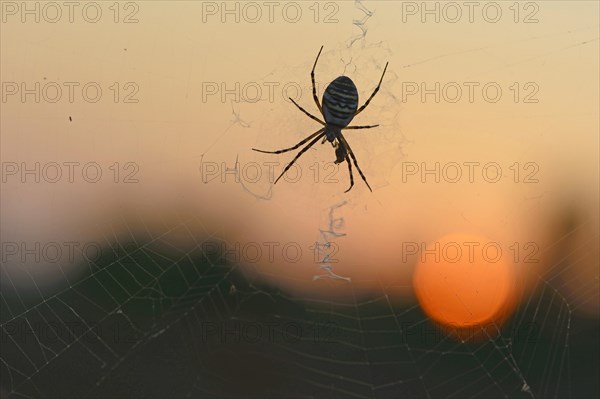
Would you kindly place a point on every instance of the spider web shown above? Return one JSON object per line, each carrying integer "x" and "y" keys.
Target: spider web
{"x": 148, "y": 314}
{"x": 142, "y": 325}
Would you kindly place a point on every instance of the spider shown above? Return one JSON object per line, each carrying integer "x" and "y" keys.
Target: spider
{"x": 340, "y": 106}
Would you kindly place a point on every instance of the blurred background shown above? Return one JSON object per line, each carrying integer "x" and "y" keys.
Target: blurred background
{"x": 146, "y": 252}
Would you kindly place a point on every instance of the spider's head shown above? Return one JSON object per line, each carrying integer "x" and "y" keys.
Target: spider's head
{"x": 332, "y": 132}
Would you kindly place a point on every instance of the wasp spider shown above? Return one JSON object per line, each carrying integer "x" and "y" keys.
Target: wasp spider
{"x": 340, "y": 106}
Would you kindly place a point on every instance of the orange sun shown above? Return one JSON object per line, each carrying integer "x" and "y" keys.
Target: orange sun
{"x": 465, "y": 283}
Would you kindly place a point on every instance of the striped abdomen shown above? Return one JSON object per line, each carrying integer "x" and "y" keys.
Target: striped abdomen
{"x": 340, "y": 101}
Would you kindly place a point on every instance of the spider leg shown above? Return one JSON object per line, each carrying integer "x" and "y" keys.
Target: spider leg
{"x": 343, "y": 140}
{"x": 289, "y": 165}
{"x": 374, "y": 92}
{"x": 306, "y": 112}
{"x": 361, "y": 127}
{"x": 294, "y": 147}
{"x": 312, "y": 78}
{"x": 350, "y": 171}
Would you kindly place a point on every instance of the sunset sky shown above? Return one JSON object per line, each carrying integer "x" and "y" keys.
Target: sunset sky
{"x": 488, "y": 133}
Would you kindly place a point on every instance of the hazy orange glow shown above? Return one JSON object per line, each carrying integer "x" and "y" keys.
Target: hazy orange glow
{"x": 463, "y": 284}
